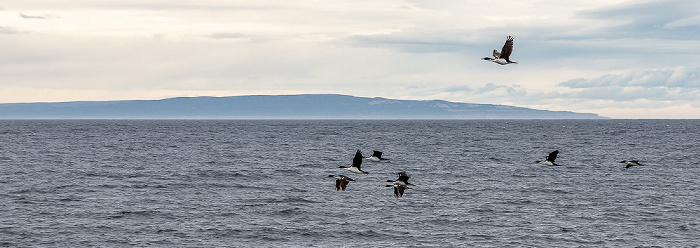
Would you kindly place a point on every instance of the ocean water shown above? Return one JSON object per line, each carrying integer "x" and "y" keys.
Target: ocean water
{"x": 264, "y": 183}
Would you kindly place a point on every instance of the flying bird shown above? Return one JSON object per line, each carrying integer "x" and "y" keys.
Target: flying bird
{"x": 631, "y": 163}
{"x": 376, "y": 156}
{"x": 550, "y": 159}
{"x": 356, "y": 163}
{"x": 503, "y": 58}
{"x": 400, "y": 184}
{"x": 341, "y": 182}
{"x": 402, "y": 180}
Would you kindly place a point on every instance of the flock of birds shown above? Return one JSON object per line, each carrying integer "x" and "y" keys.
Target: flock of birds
{"x": 549, "y": 160}
{"x": 503, "y": 58}
{"x": 341, "y": 181}
{"x": 401, "y": 184}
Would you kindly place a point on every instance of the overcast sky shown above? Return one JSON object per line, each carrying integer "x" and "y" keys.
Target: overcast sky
{"x": 621, "y": 59}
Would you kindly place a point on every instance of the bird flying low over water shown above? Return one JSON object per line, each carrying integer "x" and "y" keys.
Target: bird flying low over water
{"x": 503, "y": 58}
{"x": 356, "y": 164}
{"x": 376, "y": 156}
{"x": 550, "y": 159}
{"x": 631, "y": 163}
{"x": 402, "y": 180}
{"x": 400, "y": 184}
{"x": 341, "y": 182}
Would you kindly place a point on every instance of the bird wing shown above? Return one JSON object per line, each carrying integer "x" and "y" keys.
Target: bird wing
{"x": 628, "y": 165}
{"x": 344, "y": 184}
{"x": 377, "y": 154}
{"x": 403, "y": 177}
{"x": 357, "y": 160}
{"x": 507, "y": 49}
{"x": 553, "y": 156}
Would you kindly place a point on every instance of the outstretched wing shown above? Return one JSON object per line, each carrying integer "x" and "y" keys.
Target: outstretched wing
{"x": 377, "y": 154}
{"x": 403, "y": 177}
{"x": 553, "y": 156}
{"x": 338, "y": 184}
{"x": 357, "y": 160}
{"x": 507, "y": 49}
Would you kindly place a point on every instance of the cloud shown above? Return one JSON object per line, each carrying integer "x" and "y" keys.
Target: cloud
{"x": 28, "y": 16}
{"x": 227, "y": 36}
{"x": 680, "y": 77}
{"x": 418, "y": 40}
{"x": 8, "y": 30}
{"x": 692, "y": 21}
{"x": 650, "y": 19}
{"x": 460, "y": 88}
{"x": 680, "y": 84}
{"x": 490, "y": 88}
{"x": 485, "y": 93}
{"x": 241, "y": 37}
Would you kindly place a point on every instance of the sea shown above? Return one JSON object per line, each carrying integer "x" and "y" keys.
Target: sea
{"x": 264, "y": 183}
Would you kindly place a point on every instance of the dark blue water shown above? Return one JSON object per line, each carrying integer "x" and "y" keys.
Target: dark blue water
{"x": 197, "y": 183}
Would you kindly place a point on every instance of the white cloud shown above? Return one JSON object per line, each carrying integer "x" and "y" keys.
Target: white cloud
{"x": 8, "y": 30}
{"x": 692, "y": 21}
{"x": 680, "y": 77}
{"x": 37, "y": 16}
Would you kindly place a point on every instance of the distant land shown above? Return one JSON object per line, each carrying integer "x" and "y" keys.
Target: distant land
{"x": 309, "y": 106}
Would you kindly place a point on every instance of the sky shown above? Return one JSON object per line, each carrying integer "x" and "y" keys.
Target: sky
{"x": 619, "y": 59}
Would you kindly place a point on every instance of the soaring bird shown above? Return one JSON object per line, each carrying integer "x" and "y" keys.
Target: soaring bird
{"x": 550, "y": 159}
{"x": 400, "y": 184}
{"x": 631, "y": 163}
{"x": 376, "y": 156}
{"x": 503, "y": 58}
{"x": 341, "y": 182}
{"x": 356, "y": 163}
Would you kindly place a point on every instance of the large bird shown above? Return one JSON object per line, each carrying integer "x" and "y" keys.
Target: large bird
{"x": 550, "y": 159}
{"x": 376, "y": 156}
{"x": 356, "y": 164}
{"x": 400, "y": 184}
{"x": 402, "y": 180}
{"x": 631, "y": 163}
{"x": 341, "y": 182}
{"x": 503, "y": 58}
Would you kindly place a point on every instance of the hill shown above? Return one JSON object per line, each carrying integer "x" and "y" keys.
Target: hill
{"x": 312, "y": 106}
